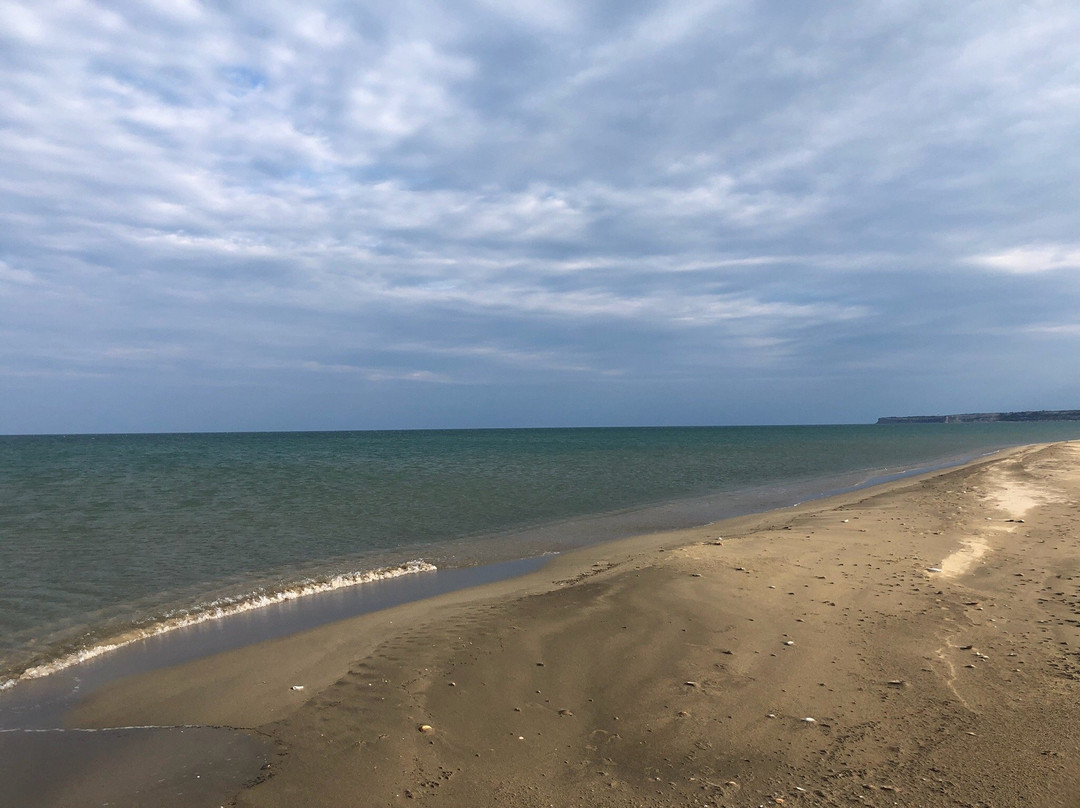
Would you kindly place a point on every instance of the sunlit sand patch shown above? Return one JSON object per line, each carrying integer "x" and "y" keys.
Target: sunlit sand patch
{"x": 963, "y": 559}
{"x": 1014, "y": 497}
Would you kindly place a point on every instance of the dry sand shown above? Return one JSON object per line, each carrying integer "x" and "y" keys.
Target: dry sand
{"x": 673, "y": 670}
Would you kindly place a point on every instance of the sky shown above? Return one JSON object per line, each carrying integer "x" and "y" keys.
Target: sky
{"x": 491, "y": 213}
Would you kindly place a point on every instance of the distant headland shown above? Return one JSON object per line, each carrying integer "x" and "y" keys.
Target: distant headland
{"x": 985, "y": 417}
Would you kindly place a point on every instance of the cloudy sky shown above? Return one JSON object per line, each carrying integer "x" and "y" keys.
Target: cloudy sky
{"x": 268, "y": 215}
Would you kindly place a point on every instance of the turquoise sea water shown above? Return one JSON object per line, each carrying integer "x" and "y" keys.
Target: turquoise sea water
{"x": 104, "y": 537}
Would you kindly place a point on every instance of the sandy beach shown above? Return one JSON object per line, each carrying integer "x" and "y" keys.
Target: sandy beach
{"x": 911, "y": 644}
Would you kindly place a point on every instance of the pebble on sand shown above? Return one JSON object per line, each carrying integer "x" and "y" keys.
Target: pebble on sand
{"x": 297, "y": 687}
{"x": 809, "y": 720}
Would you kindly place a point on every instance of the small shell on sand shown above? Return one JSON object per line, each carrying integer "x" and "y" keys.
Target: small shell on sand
{"x": 809, "y": 720}
{"x": 297, "y": 687}
{"x": 425, "y": 728}
{"x": 789, "y": 642}
{"x": 933, "y": 569}
{"x": 565, "y": 712}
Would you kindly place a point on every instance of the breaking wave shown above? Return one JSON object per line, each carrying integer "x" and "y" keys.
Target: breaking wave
{"x": 215, "y": 610}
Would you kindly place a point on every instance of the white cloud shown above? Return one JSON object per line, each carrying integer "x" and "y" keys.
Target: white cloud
{"x": 1060, "y": 330}
{"x": 10, "y": 274}
{"x": 549, "y": 15}
{"x": 375, "y": 374}
{"x": 17, "y": 22}
{"x": 531, "y": 187}
{"x": 405, "y": 91}
{"x": 544, "y": 360}
{"x": 1030, "y": 260}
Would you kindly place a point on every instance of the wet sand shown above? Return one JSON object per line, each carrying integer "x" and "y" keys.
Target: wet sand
{"x": 137, "y": 766}
{"x": 930, "y": 627}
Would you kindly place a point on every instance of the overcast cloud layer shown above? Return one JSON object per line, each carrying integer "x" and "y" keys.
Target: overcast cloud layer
{"x": 261, "y": 215}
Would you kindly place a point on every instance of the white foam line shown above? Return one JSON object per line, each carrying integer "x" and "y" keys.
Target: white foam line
{"x": 218, "y": 609}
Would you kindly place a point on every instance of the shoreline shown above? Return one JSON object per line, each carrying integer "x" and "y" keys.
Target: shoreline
{"x": 559, "y": 570}
{"x": 605, "y": 527}
{"x": 221, "y": 609}
{"x": 678, "y": 668}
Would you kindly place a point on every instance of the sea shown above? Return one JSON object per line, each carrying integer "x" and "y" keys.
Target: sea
{"x": 106, "y": 540}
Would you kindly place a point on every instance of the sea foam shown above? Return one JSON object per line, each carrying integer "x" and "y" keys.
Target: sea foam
{"x": 216, "y": 610}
